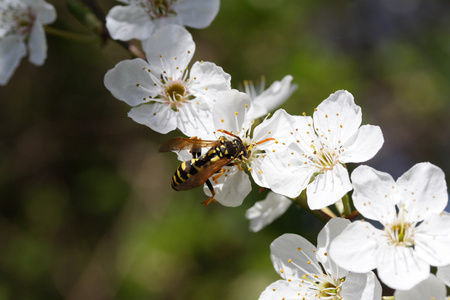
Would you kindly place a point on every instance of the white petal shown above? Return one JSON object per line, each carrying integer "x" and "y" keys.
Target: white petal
{"x": 361, "y": 287}
{"x": 422, "y": 191}
{"x": 283, "y": 289}
{"x": 337, "y": 117}
{"x": 279, "y": 126}
{"x": 330, "y": 231}
{"x": 356, "y": 247}
{"x": 443, "y": 273}
{"x": 37, "y": 45}
{"x": 197, "y": 13}
{"x": 129, "y": 22}
{"x": 373, "y": 194}
{"x": 12, "y": 50}
{"x": 206, "y": 80}
{"x": 328, "y": 188}
{"x": 45, "y": 12}
{"x": 169, "y": 50}
{"x": 363, "y": 145}
{"x": 231, "y": 188}
{"x": 129, "y": 81}
{"x": 432, "y": 240}
{"x": 230, "y": 110}
{"x": 274, "y": 96}
{"x": 157, "y": 116}
{"x": 430, "y": 288}
{"x": 400, "y": 267}
{"x": 193, "y": 120}
{"x": 285, "y": 172}
{"x": 264, "y": 212}
{"x": 294, "y": 256}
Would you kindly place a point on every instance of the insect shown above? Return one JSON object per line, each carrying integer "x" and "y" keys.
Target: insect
{"x": 197, "y": 171}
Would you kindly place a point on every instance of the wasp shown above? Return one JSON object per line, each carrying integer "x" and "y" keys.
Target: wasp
{"x": 197, "y": 171}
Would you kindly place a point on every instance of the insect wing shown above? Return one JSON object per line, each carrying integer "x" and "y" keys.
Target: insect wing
{"x": 186, "y": 144}
{"x": 203, "y": 175}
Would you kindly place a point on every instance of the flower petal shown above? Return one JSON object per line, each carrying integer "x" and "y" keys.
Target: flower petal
{"x": 294, "y": 256}
{"x": 399, "y": 267}
{"x": 422, "y": 191}
{"x": 274, "y": 96}
{"x": 432, "y": 239}
{"x": 37, "y": 45}
{"x": 337, "y": 118}
{"x": 230, "y": 110}
{"x": 264, "y": 212}
{"x": 373, "y": 194}
{"x": 330, "y": 231}
{"x": 328, "y": 188}
{"x": 129, "y": 22}
{"x": 129, "y": 81}
{"x": 231, "y": 188}
{"x": 169, "y": 50}
{"x": 363, "y": 145}
{"x": 12, "y": 50}
{"x": 159, "y": 117}
{"x": 361, "y": 287}
{"x": 283, "y": 289}
{"x": 206, "y": 80}
{"x": 356, "y": 247}
{"x": 285, "y": 171}
{"x": 443, "y": 273}
{"x": 198, "y": 13}
{"x": 430, "y": 288}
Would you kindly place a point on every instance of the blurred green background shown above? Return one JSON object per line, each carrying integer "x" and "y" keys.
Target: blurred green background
{"x": 86, "y": 209}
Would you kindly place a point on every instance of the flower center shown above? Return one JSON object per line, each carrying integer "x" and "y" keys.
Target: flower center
{"x": 15, "y": 18}
{"x": 400, "y": 233}
{"x": 323, "y": 286}
{"x": 325, "y": 159}
{"x": 176, "y": 93}
{"x": 158, "y": 9}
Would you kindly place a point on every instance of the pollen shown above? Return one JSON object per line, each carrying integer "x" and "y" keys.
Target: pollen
{"x": 290, "y": 260}
{"x": 222, "y": 120}
{"x": 236, "y": 113}
{"x": 137, "y": 84}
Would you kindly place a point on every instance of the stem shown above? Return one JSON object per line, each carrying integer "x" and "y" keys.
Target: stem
{"x": 71, "y": 35}
{"x": 301, "y": 202}
{"x": 346, "y": 204}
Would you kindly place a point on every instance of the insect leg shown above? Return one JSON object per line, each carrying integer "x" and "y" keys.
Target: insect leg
{"x": 213, "y": 193}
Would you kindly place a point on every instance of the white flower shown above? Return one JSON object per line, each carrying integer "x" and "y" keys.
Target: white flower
{"x": 232, "y": 185}
{"x": 309, "y": 272}
{"x": 416, "y": 233}
{"x": 163, "y": 96}
{"x": 21, "y": 28}
{"x": 141, "y": 18}
{"x": 264, "y": 212}
{"x": 430, "y": 289}
{"x": 265, "y": 101}
{"x": 320, "y": 147}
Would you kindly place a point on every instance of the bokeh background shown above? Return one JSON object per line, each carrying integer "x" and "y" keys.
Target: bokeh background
{"x": 86, "y": 208}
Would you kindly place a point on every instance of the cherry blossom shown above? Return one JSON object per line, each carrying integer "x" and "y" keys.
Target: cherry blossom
{"x": 416, "y": 232}
{"x": 310, "y": 273}
{"x": 21, "y": 31}
{"x": 319, "y": 149}
{"x": 139, "y": 19}
{"x": 163, "y": 93}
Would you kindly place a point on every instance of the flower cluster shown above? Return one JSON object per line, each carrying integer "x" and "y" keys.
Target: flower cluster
{"x": 235, "y": 138}
{"x": 295, "y": 157}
